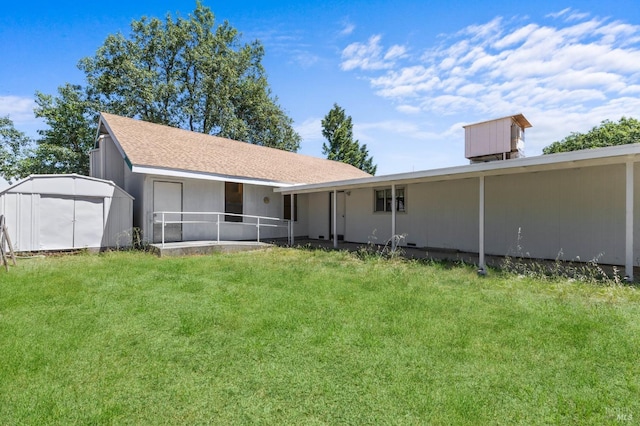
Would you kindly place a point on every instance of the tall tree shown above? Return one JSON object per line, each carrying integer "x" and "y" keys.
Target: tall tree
{"x": 192, "y": 74}
{"x": 608, "y": 133}
{"x": 337, "y": 128}
{"x": 13, "y": 149}
{"x": 72, "y": 119}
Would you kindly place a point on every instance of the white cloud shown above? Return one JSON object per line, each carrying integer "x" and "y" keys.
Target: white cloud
{"x": 395, "y": 52}
{"x": 559, "y": 14}
{"x": 310, "y": 129}
{"x": 305, "y": 59}
{"x": 408, "y": 109}
{"x": 347, "y": 29}
{"x": 582, "y": 69}
{"x": 568, "y": 14}
{"x": 516, "y": 37}
{"x": 19, "y": 109}
{"x": 370, "y": 56}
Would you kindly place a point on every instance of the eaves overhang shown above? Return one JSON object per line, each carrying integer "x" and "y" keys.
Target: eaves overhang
{"x": 188, "y": 174}
{"x": 561, "y": 161}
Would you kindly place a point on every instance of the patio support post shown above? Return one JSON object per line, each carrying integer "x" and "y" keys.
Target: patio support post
{"x": 162, "y": 229}
{"x": 628, "y": 266}
{"x": 393, "y": 217}
{"x": 481, "y": 261}
{"x": 292, "y": 217}
{"x": 335, "y": 218}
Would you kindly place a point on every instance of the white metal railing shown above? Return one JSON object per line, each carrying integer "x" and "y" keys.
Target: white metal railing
{"x": 260, "y": 222}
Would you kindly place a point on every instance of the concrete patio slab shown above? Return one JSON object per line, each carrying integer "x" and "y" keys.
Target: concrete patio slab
{"x": 186, "y": 248}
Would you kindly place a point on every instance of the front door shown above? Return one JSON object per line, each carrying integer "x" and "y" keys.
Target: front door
{"x": 167, "y": 197}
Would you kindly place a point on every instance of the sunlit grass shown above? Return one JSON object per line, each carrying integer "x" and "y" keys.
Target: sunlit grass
{"x": 309, "y": 337}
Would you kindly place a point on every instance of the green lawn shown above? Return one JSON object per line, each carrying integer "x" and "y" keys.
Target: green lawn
{"x": 310, "y": 337}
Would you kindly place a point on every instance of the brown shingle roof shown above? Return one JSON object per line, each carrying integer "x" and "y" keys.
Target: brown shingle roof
{"x": 155, "y": 145}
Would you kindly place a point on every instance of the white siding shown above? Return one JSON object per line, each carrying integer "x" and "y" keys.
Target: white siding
{"x": 636, "y": 218}
{"x": 578, "y": 213}
{"x": 107, "y": 162}
{"x": 441, "y": 215}
{"x": 318, "y": 215}
{"x": 438, "y": 215}
{"x": 54, "y": 212}
{"x": 363, "y": 225}
{"x": 492, "y": 137}
{"x": 208, "y": 196}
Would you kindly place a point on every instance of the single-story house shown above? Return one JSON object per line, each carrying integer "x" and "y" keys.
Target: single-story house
{"x": 577, "y": 205}
{"x": 60, "y": 212}
{"x": 173, "y": 170}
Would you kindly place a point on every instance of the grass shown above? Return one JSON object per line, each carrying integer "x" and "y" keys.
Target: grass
{"x": 310, "y": 337}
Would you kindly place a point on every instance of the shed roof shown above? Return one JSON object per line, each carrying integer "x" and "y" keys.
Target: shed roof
{"x": 162, "y": 147}
{"x": 66, "y": 185}
{"x": 518, "y": 118}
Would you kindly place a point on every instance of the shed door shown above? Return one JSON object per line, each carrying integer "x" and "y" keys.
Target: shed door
{"x": 56, "y": 223}
{"x": 67, "y": 222}
{"x": 167, "y": 197}
{"x": 89, "y": 222}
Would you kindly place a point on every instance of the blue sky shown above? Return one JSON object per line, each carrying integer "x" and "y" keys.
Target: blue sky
{"x": 410, "y": 73}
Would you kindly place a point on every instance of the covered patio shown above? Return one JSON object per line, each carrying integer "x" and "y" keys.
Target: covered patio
{"x": 577, "y": 206}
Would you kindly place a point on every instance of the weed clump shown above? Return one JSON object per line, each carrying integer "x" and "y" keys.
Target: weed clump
{"x": 520, "y": 262}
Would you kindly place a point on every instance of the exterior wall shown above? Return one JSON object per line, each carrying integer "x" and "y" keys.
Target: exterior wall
{"x": 318, "y": 216}
{"x": 19, "y": 212}
{"x": 118, "y": 222}
{"x": 107, "y": 162}
{"x": 441, "y": 215}
{"x": 134, "y": 185}
{"x": 576, "y": 213}
{"x": 362, "y": 224}
{"x": 209, "y": 196}
{"x": 57, "y": 212}
{"x": 300, "y": 226}
{"x": 492, "y": 137}
{"x": 438, "y": 215}
{"x": 636, "y": 216}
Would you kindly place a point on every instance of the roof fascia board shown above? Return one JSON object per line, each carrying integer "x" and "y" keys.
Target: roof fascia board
{"x": 565, "y": 160}
{"x": 204, "y": 176}
{"x": 520, "y": 118}
{"x": 104, "y": 122}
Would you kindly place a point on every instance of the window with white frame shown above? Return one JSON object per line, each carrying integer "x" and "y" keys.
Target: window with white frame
{"x": 383, "y": 201}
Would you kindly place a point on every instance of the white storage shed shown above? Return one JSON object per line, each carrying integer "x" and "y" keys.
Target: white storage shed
{"x": 59, "y": 212}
